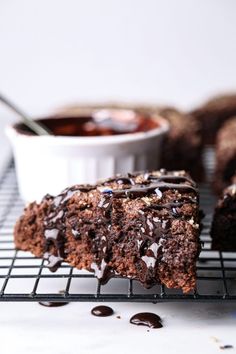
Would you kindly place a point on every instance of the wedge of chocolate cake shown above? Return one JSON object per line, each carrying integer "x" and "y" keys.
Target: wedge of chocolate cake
{"x": 223, "y": 230}
{"x": 143, "y": 226}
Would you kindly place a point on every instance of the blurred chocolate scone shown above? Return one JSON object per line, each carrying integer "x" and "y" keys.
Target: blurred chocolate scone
{"x": 182, "y": 147}
{"x": 225, "y": 155}
{"x": 213, "y": 114}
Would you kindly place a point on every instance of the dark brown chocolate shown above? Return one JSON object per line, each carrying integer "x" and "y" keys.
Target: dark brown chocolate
{"x": 147, "y": 319}
{"x": 227, "y": 346}
{"x": 53, "y": 303}
{"x": 143, "y": 226}
{"x": 102, "y": 311}
{"x": 103, "y": 122}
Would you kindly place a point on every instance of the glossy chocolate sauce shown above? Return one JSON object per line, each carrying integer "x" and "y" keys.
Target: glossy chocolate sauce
{"x": 54, "y": 226}
{"x": 100, "y": 123}
{"x": 102, "y": 311}
{"x": 146, "y": 319}
{"x": 52, "y": 303}
{"x": 152, "y": 231}
{"x": 227, "y": 346}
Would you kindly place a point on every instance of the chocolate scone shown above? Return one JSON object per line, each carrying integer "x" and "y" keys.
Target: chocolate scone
{"x": 225, "y": 155}
{"x": 223, "y": 230}
{"x": 143, "y": 226}
{"x": 213, "y": 114}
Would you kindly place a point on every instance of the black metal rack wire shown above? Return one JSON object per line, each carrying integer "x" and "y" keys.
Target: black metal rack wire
{"x": 24, "y": 277}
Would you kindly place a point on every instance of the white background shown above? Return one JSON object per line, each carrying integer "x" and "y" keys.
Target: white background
{"x": 59, "y": 51}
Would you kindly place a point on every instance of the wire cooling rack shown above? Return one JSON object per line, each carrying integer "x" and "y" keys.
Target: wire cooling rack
{"x": 26, "y": 278}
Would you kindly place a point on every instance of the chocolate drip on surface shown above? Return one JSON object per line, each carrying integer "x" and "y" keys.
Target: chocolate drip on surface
{"x": 102, "y": 311}
{"x": 52, "y": 303}
{"x": 104, "y": 122}
{"x": 227, "y": 346}
{"x": 147, "y": 319}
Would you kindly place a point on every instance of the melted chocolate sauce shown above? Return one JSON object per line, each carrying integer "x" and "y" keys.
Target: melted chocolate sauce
{"x": 103, "y": 122}
{"x": 52, "y": 303}
{"x": 150, "y": 230}
{"x": 102, "y": 311}
{"x": 143, "y": 190}
{"x": 147, "y": 319}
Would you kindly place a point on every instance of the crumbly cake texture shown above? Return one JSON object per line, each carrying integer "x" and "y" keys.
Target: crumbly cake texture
{"x": 213, "y": 114}
{"x": 223, "y": 230}
{"x": 182, "y": 146}
{"x": 143, "y": 226}
{"x": 225, "y": 156}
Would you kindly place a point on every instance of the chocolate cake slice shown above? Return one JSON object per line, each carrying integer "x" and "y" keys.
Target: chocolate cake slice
{"x": 223, "y": 230}
{"x": 225, "y": 155}
{"x": 143, "y": 226}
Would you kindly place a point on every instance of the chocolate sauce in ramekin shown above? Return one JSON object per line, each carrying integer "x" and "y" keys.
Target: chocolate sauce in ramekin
{"x": 100, "y": 123}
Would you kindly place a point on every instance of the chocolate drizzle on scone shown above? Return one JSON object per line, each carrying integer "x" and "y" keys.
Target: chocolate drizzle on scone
{"x": 54, "y": 227}
{"x": 143, "y": 226}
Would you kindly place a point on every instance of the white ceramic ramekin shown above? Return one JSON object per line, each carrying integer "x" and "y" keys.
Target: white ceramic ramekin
{"x": 48, "y": 164}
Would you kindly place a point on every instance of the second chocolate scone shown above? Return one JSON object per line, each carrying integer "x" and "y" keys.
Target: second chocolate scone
{"x": 142, "y": 226}
{"x": 182, "y": 148}
{"x": 213, "y": 114}
{"x": 225, "y": 156}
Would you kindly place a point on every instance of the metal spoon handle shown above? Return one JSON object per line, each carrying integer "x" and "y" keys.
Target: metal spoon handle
{"x": 37, "y": 128}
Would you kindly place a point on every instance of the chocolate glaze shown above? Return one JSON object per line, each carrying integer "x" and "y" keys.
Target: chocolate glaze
{"x": 151, "y": 229}
{"x": 227, "y": 346}
{"x": 143, "y": 190}
{"x": 54, "y": 226}
{"x": 102, "y": 311}
{"x": 52, "y": 303}
{"x": 100, "y": 123}
{"x": 147, "y": 319}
